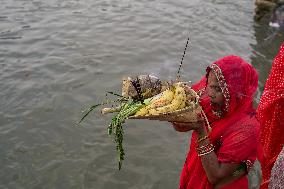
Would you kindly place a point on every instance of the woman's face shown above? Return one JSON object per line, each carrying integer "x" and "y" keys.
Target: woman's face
{"x": 215, "y": 92}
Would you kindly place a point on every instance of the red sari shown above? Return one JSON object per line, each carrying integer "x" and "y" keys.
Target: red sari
{"x": 235, "y": 132}
{"x": 270, "y": 113}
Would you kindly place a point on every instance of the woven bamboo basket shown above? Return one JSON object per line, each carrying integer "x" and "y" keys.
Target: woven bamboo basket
{"x": 187, "y": 114}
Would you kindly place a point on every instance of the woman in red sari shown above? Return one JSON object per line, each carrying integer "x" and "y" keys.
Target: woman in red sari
{"x": 218, "y": 158}
{"x": 271, "y": 117}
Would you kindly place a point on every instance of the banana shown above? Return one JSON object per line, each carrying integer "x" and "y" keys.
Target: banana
{"x": 177, "y": 103}
{"x": 162, "y": 99}
{"x": 142, "y": 112}
{"x": 182, "y": 105}
{"x": 168, "y": 101}
{"x": 159, "y": 100}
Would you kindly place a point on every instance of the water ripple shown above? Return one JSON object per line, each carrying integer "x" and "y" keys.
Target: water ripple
{"x": 58, "y": 56}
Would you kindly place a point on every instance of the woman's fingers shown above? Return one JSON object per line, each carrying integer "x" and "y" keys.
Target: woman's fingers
{"x": 192, "y": 125}
{"x": 180, "y": 128}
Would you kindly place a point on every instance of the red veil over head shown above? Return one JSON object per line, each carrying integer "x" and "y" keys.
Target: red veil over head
{"x": 270, "y": 113}
{"x": 235, "y": 132}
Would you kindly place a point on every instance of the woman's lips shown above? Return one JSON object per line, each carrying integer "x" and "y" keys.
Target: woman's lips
{"x": 215, "y": 105}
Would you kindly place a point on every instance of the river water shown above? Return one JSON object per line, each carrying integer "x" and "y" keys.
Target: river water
{"x": 57, "y": 57}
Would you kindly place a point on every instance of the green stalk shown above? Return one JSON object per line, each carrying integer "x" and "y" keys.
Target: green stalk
{"x": 116, "y": 127}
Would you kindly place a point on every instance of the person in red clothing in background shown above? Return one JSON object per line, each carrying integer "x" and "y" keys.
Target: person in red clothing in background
{"x": 270, "y": 113}
{"x": 221, "y": 158}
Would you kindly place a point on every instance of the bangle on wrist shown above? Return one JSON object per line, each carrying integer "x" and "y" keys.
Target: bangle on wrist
{"x": 205, "y": 153}
{"x": 202, "y": 138}
{"x": 204, "y": 150}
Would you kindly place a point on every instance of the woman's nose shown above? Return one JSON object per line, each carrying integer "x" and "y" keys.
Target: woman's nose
{"x": 211, "y": 93}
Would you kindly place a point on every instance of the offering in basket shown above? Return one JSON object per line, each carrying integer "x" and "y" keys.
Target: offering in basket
{"x": 147, "y": 85}
{"x": 178, "y": 103}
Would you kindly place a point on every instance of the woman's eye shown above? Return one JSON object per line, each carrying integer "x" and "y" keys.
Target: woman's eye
{"x": 218, "y": 89}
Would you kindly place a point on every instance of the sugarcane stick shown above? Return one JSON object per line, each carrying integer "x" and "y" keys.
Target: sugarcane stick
{"x": 111, "y": 110}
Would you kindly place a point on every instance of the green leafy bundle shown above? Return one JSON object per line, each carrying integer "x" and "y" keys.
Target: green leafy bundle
{"x": 127, "y": 107}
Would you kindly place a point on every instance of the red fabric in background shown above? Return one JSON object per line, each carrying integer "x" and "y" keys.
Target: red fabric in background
{"x": 270, "y": 113}
{"x": 234, "y": 136}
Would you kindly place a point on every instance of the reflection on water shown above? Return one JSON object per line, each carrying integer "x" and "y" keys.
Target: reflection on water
{"x": 58, "y": 56}
{"x": 268, "y": 41}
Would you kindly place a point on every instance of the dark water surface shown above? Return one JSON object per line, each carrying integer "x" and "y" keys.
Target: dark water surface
{"x": 59, "y": 56}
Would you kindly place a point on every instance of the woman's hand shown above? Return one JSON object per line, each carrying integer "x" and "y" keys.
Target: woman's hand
{"x": 181, "y": 127}
{"x": 199, "y": 126}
